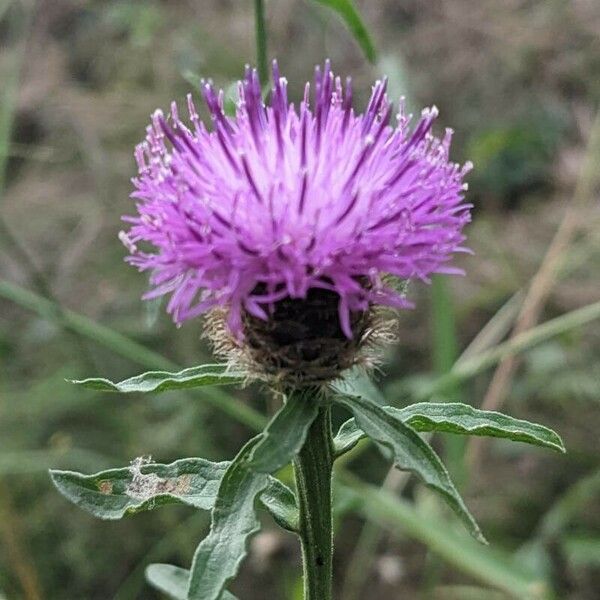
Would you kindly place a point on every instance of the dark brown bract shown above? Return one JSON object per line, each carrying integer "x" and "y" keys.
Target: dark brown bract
{"x": 302, "y": 342}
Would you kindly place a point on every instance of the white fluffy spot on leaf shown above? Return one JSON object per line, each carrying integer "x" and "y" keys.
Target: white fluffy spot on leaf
{"x": 145, "y": 486}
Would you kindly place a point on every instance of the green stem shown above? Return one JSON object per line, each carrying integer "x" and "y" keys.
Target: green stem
{"x": 261, "y": 41}
{"x": 313, "y": 468}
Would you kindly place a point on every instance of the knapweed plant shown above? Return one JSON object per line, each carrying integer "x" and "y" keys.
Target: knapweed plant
{"x": 295, "y": 230}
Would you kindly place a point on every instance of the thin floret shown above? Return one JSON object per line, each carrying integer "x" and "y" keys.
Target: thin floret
{"x": 277, "y": 200}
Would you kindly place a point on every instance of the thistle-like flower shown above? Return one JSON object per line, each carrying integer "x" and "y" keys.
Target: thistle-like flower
{"x": 294, "y": 223}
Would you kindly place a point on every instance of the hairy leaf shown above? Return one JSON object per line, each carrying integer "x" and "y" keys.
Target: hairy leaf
{"x": 160, "y": 381}
{"x": 464, "y": 419}
{"x": 234, "y": 520}
{"x": 410, "y": 452}
{"x": 351, "y": 17}
{"x": 116, "y": 493}
{"x": 173, "y": 581}
{"x": 281, "y": 503}
{"x": 454, "y": 417}
{"x": 284, "y": 436}
{"x": 357, "y": 383}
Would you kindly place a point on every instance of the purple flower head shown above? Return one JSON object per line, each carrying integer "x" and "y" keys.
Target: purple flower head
{"x": 280, "y": 200}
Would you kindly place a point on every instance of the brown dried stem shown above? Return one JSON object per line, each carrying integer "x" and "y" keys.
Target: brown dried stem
{"x": 544, "y": 280}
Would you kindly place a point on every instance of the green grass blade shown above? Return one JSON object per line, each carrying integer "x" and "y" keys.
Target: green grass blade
{"x": 260, "y": 27}
{"x": 123, "y": 346}
{"x": 354, "y": 22}
{"x": 496, "y": 329}
{"x": 468, "y": 368}
{"x": 8, "y": 92}
{"x": 445, "y": 353}
{"x": 568, "y": 506}
{"x": 465, "y": 592}
{"x": 33, "y": 462}
{"x": 582, "y": 551}
{"x": 484, "y": 564}
{"x": 85, "y": 326}
{"x": 443, "y": 327}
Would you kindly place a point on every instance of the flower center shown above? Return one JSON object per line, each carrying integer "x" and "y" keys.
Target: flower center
{"x": 302, "y": 340}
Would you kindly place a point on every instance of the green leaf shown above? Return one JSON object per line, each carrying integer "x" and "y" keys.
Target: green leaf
{"x": 284, "y": 436}
{"x": 160, "y": 381}
{"x": 351, "y": 17}
{"x": 410, "y": 452}
{"x": 116, "y": 493}
{"x": 173, "y": 581}
{"x": 357, "y": 383}
{"x": 170, "y": 580}
{"x": 281, "y": 503}
{"x": 234, "y": 520}
{"x": 194, "y": 482}
{"x": 454, "y": 417}
{"x": 123, "y": 346}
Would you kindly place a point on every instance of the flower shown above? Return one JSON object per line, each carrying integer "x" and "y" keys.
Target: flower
{"x": 277, "y": 202}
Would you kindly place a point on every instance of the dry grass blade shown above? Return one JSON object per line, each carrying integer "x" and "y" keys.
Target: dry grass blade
{"x": 11, "y": 529}
{"x": 545, "y": 278}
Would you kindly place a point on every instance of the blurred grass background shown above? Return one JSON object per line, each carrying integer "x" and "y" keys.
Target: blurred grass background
{"x": 519, "y": 81}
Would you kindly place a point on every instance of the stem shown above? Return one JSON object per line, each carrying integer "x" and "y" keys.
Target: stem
{"x": 261, "y": 41}
{"x": 312, "y": 469}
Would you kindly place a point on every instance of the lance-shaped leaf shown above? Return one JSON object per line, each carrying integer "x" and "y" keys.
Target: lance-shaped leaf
{"x": 161, "y": 381}
{"x": 351, "y": 17}
{"x": 281, "y": 503}
{"x": 284, "y": 436}
{"x": 410, "y": 452}
{"x": 454, "y": 417}
{"x": 116, "y": 493}
{"x": 357, "y": 383}
{"x": 234, "y": 520}
{"x": 173, "y": 581}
